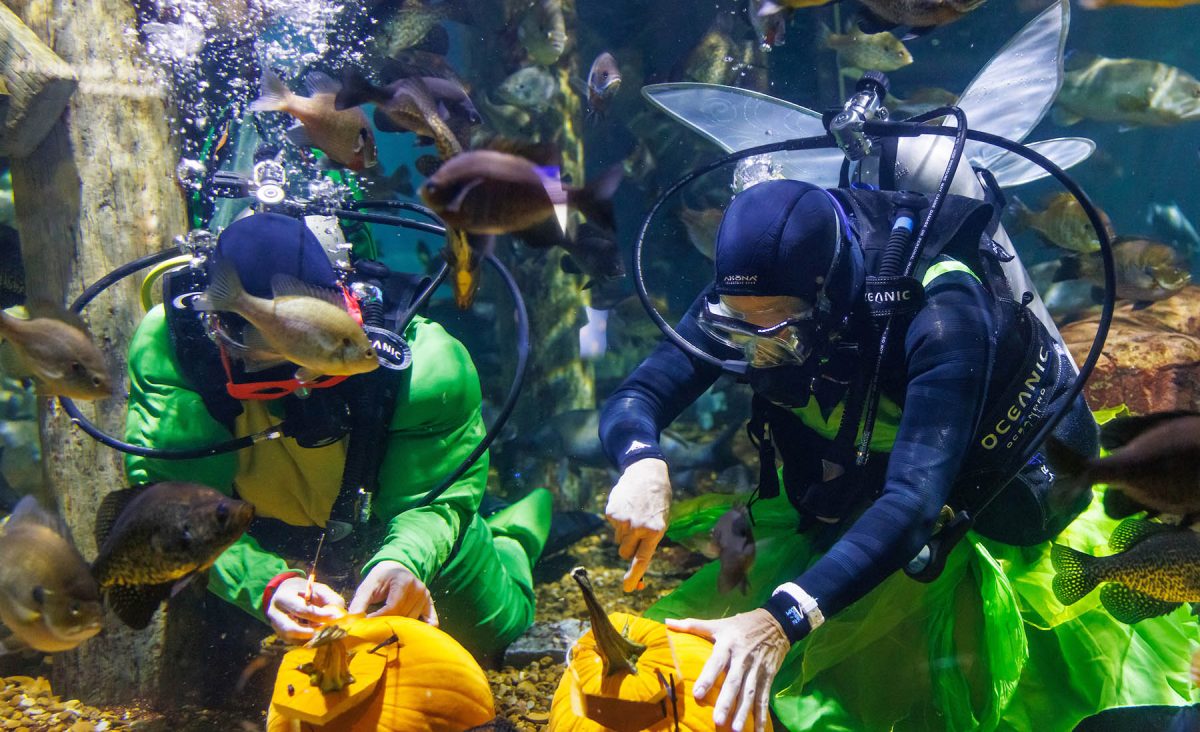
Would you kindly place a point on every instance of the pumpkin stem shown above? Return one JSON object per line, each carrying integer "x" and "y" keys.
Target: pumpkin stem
{"x": 618, "y": 652}
{"x": 330, "y": 668}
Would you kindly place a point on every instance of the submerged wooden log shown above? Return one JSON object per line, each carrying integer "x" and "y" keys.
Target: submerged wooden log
{"x": 36, "y": 86}
{"x": 98, "y": 192}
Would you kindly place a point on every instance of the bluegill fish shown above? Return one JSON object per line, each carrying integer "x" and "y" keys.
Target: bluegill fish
{"x": 48, "y": 598}
{"x": 1129, "y": 91}
{"x": 344, "y": 135}
{"x": 543, "y": 31}
{"x": 413, "y": 21}
{"x": 303, "y": 324}
{"x": 153, "y": 537}
{"x": 858, "y": 51}
{"x": 1062, "y": 223}
{"x": 1146, "y": 270}
{"x": 532, "y": 88}
{"x": 1156, "y": 569}
{"x": 56, "y": 351}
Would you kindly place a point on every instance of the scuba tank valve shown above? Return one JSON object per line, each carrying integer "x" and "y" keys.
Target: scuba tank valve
{"x": 865, "y": 105}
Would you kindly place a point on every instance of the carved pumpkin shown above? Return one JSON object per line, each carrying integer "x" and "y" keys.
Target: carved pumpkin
{"x": 391, "y": 675}
{"x": 638, "y": 678}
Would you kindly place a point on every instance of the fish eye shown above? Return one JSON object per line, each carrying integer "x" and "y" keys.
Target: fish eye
{"x": 369, "y": 352}
{"x": 97, "y": 381}
{"x": 76, "y": 608}
{"x": 39, "y": 594}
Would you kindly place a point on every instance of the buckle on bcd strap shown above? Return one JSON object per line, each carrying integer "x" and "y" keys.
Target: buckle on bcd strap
{"x": 888, "y": 296}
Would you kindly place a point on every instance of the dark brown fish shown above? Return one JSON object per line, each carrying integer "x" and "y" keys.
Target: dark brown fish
{"x": 592, "y": 251}
{"x": 1155, "y": 462}
{"x": 917, "y": 13}
{"x": 493, "y": 192}
{"x": 733, "y": 537}
{"x": 406, "y": 105}
{"x": 153, "y": 537}
{"x": 604, "y": 79}
{"x": 1155, "y": 570}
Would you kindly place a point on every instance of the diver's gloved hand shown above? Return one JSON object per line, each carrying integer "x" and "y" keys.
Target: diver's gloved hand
{"x": 398, "y": 589}
{"x": 639, "y": 508}
{"x": 749, "y": 649}
{"x": 288, "y": 611}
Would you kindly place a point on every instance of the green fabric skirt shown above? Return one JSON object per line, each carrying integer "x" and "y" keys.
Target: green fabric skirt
{"x": 984, "y": 647}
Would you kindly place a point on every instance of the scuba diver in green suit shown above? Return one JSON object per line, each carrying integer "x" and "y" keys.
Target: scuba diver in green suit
{"x": 401, "y": 550}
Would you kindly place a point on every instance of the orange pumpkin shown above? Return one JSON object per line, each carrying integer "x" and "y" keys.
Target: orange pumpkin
{"x": 407, "y": 677}
{"x": 640, "y": 678}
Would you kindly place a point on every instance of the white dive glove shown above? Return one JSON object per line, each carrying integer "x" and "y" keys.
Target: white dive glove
{"x": 639, "y": 508}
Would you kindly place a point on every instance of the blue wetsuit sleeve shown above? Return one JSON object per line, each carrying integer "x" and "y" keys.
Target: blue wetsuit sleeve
{"x": 656, "y": 392}
{"x": 947, "y": 352}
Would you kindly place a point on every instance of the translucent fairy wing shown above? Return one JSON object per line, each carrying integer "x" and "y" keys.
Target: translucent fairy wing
{"x": 1011, "y": 169}
{"x": 736, "y": 119}
{"x": 1014, "y": 90}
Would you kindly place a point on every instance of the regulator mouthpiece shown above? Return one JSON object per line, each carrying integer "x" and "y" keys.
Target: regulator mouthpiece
{"x": 864, "y": 106}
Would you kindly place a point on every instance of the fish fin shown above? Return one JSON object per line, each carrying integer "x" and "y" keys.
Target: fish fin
{"x": 274, "y": 94}
{"x": 1074, "y": 574}
{"x": 569, "y": 265}
{"x": 437, "y": 40}
{"x": 1118, "y": 504}
{"x": 1130, "y": 606}
{"x": 851, "y": 71}
{"x": 1065, "y": 462}
{"x": 13, "y": 644}
{"x": 357, "y": 90}
{"x": 1131, "y": 531}
{"x": 299, "y": 136}
{"x": 306, "y": 375}
{"x": 110, "y": 510}
{"x": 594, "y": 200}
{"x": 769, "y": 7}
{"x": 43, "y": 308}
{"x": 224, "y": 288}
{"x": 870, "y": 23}
{"x": 915, "y": 32}
{"x": 1069, "y": 268}
{"x": 28, "y": 510}
{"x": 321, "y": 83}
{"x": 1123, "y": 430}
{"x": 135, "y": 605}
{"x": 285, "y": 285}
{"x": 1020, "y": 215}
{"x": 1141, "y": 304}
{"x": 1064, "y": 119}
{"x": 384, "y": 123}
{"x": 457, "y": 203}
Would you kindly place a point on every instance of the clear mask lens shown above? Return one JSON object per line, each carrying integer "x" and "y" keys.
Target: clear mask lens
{"x": 789, "y": 341}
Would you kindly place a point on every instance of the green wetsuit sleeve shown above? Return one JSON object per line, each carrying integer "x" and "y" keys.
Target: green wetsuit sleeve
{"x": 165, "y": 412}
{"x": 436, "y": 423}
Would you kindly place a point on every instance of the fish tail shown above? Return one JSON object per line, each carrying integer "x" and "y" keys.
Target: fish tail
{"x": 274, "y": 95}
{"x": 224, "y": 289}
{"x": 357, "y": 90}
{"x": 1020, "y": 214}
{"x": 1075, "y": 574}
{"x": 595, "y": 198}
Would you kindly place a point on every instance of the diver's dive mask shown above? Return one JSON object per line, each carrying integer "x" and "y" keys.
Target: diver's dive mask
{"x": 790, "y": 341}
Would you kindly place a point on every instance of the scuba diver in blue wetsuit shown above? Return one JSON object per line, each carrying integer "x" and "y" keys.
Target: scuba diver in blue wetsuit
{"x": 970, "y": 376}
